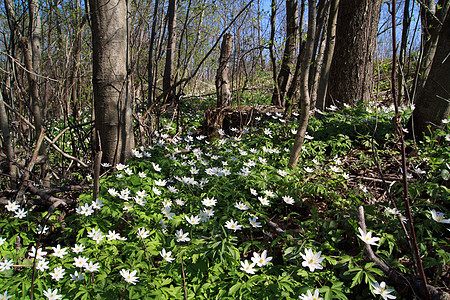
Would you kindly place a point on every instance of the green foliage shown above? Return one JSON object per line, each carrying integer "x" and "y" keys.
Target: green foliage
{"x": 135, "y": 224}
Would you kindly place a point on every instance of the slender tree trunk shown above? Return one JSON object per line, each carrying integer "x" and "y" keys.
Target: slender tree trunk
{"x": 304, "y": 88}
{"x": 276, "y": 89}
{"x": 402, "y": 51}
{"x": 7, "y": 144}
{"x": 315, "y": 72}
{"x": 351, "y": 71}
{"x": 322, "y": 14}
{"x": 74, "y": 80}
{"x": 261, "y": 56}
{"x": 222, "y": 81}
{"x": 292, "y": 93}
{"x": 32, "y": 59}
{"x": 433, "y": 104}
{"x": 287, "y": 64}
{"x": 183, "y": 37}
{"x": 111, "y": 101}
{"x": 4, "y": 123}
{"x": 170, "y": 51}
{"x": 328, "y": 55}
{"x": 150, "y": 69}
{"x": 36, "y": 35}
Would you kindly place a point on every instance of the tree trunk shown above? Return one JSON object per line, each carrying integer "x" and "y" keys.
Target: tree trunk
{"x": 261, "y": 55}
{"x": 74, "y": 78}
{"x": 328, "y": 55}
{"x": 7, "y": 144}
{"x": 322, "y": 14}
{"x": 276, "y": 89}
{"x": 292, "y": 93}
{"x": 315, "y": 72}
{"x": 35, "y": 33}
{"x": 304, "y": 89}
{"x": 432, "y": 20}
{"x": 150, "y": 68}
{"x": 170, "y": 51}
{"x": 351, "y": 70}
{"x": 433, "y": 104}
{"x": 32, "y": 59}
{"x": 111, "y": 102}
{"x": 287, "y": 64}
{"x": 402, "y": 52}
{"x": 222, "y": 81}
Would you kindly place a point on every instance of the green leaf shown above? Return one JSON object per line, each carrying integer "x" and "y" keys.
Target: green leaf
{"x": 357, "y": 279}
{"x": 235, "y": 288}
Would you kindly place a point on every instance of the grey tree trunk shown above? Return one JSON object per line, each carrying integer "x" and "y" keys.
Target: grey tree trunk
{"x": 328, "y": 55}
{"x": 433, "y": 103}
{"x": 36, "y": 34}
{"x": 222, "y": 81}
{"x": 170, "y": 51}
{"x": 32, "y": 59}
{"x": 111, "y": 101}
{"x": 288, "y": 62}
{"x": 351, "y": 71}
{"x": 304, "y": 89}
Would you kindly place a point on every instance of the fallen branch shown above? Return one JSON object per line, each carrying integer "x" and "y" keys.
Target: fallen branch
{"x": 70, "y": 188}
{"x": 46, "y": 198}
{"x": 396, "y": 277}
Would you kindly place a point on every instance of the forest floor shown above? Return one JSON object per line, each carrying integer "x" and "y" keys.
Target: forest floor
{"x": 222, "y": 217}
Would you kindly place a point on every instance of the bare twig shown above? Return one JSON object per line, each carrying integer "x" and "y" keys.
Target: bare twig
{"x": 184, "y": 277}
{"x": 416, "y": 253}
{"x": 48, "y": 199}
{"x": 97, "y": 164}
{"x": 396, "y": 277}
{"x": 29, "y": 167}
{"x": 48, "y": 139}
{"x": 145, "y": 246}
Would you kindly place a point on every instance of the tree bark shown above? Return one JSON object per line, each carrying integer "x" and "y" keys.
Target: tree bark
{"x": 32, "y": 59}
{"x": 304, "y": 88}
{"x": 287, "y": 64}
{"x": 276, "y": 89}
{"x": 293, "y": 93}
{"x": 328, "y": 55}
{"x": 222, "y": 81}
{"x": 433, "y": 103}
{"x": 170, "y": 51}
{"x": 150, "y": 68}
{"x": 7, "y": 144}
{"x": 402, "y": 51}
{"x": 432, "y": 20}
{"x": 351, "y": 70}
{"x": 111, "y": 102}
{"x": 74, "y": 81}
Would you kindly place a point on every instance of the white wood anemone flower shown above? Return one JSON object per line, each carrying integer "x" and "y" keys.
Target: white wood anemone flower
{"x": 367, "y": 237}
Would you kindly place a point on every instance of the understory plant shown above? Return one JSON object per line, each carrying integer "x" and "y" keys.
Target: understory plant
{"x": 198, "y": 218}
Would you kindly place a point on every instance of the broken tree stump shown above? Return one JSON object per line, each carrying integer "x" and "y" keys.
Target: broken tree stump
{"x": 229, "y": 117}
